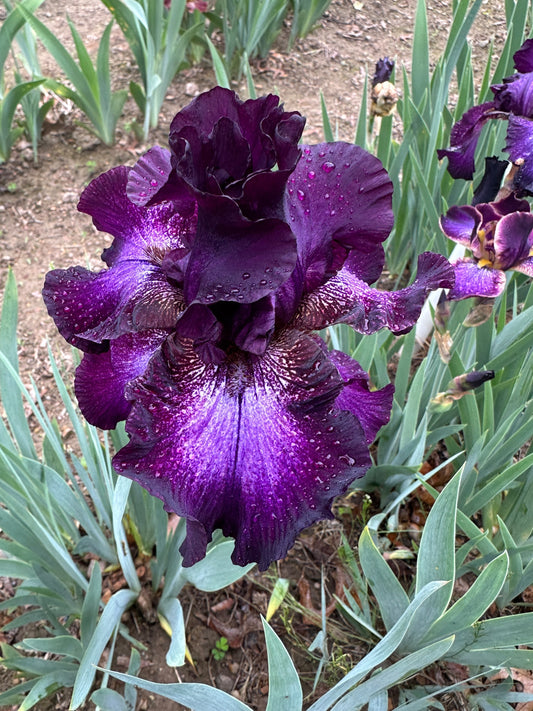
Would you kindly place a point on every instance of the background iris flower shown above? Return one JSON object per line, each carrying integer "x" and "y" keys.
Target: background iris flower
{"x": 230, "y": 251}
{"x": 513, "y": 101}
{"x": 500, "y": 236}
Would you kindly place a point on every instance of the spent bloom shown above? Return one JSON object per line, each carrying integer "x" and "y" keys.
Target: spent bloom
{"x": 513, "y": 101}
{"x": 499, "y": 236}
{"x": 230, "y": 251}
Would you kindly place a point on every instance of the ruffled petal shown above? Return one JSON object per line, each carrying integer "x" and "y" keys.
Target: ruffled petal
{"x": 513, "y": 239}
{"x": 515, "y": 95}
{"x": 152, "y": 180}
{"x": 347, "y": 299}
{"x": 525, "y": 266}
{"x": 255, "y": 448}
{"x": 371, "y": 407}
{"x": 131, "y": 296}
{"x": 472, "y": 280}
{"x": 101, "y": 378}
{"x": 339, "y": 194}
{"x": 519, "y": 145}
{"x": 463, "y": 141}
{"x": 140, "y": 232}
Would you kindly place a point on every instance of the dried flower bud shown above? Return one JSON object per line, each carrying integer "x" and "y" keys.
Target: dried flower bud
{"x": 458, "y": 388}
{"x": 384, "y": 98}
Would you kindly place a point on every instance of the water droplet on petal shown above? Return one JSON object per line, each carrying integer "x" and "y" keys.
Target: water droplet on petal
{"x": 300, "y": 194}
{"x": 263, "y": 282}
{"x": 326, "y": 196}
{"x": 311, "y": 175}
{"x": 245, "y": 275}
{"x": 328, "y": 166}
{"x": 153, "y": 183}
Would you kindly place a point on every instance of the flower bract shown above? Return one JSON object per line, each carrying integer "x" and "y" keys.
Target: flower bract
{"x": 229, "y": 252}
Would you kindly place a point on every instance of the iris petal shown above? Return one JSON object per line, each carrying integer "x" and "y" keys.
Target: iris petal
{"x": 519, "y": 144}
{"x": 472, "y": 280}
{"x": 132, "y": 295}
{"x": 255, "y": 448}
{"x": 371, "y": 407}
{"x": 463, "y": 141}
{"x": 461, "y": 223}
{"x": 101, "y": 378}
{"x": 339, "y": 193}
{"x": 347, "y": 299}
{"x": 513, "y": 239}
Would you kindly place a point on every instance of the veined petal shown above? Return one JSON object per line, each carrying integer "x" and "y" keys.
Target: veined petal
{"x": 254, "y": 447}
{"x": 473, "y": 280}
{"x": 525, "y": 266}
{"x": 101, "y": 378}
{"x": 140, "y": 232}
{"x": 131, "y": 296}
{"x": 371, "y": 407}
{"x": 513, "y": 239}
{"x": 347, "y": 299}
{"x": 339, "y": 193}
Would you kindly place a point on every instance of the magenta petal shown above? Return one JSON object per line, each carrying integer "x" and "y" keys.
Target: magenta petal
{"x": 339, "y": 193}
{"x": 472, "y": 280}
{"x": 254, "y": 447}
{"x": 140, "y": 232}
{"x": 101, "y": 378}
{"x": 347, "y": 299}
{"x": 371, "y": 407}
{"x": 130, "y": 296}
{"x": 513, "y": 239}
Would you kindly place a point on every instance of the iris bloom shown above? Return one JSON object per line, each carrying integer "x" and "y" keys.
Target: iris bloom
{"x": 513, "y": 101}
{"x": 500, "y": 237}
{"x": 229, "y": 252}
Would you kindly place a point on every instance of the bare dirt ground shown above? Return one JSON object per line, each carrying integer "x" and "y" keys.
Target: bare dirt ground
{"x": 40, "y": 228}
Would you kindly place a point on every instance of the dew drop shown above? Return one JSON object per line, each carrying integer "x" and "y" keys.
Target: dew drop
{"x": 328, "y": 166}
{"x": 300, "y": 194}
{"x": 209, "y": 297}
{"x": 245, "y": 275}
{"x": 322, "y": 154}
{"x": 311, "y": 175}
{"x": 153, "y": 183}
{"x": 312, "y": 506}
{"x": 326, "y": 196}
{"x": 332, "y": 213}
{"x": 263, "y": 282}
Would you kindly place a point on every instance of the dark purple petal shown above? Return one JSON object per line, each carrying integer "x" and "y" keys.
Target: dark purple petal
{"x": 347, "y": 299}
{"x": 491, "y": 181}
{"x": 473, "y": 280}
{"x": 252, "y": 325}
{"x": 101, "y": 378}
{"x": 339, "y": 203}
{"x": 254, "y": 448}
{"x": 152, "y": 181}
{"x": 523, "y": 58}
{"x": 463, "y": 141}
{"x": 519, "y": 145}
{"x": 235, "y": 259}
{"x": 383, "y": 70}
{"x": 131, "y": 296}
{"x": 140, "y": 232}
{"x": 513, "y": 239}
{"x": 515, "y": 95}
{"x": 371, "y": 407}
{"x": 461, "y": 223}
{"x": 200, "y": 325}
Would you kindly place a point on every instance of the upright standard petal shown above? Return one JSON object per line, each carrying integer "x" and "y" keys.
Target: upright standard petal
{"x": 255, "y": 447}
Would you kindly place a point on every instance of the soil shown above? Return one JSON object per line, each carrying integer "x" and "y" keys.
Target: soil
{"x": 40, "y": 228}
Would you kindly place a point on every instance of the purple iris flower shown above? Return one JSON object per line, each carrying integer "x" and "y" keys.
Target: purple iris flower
{"x": 513, "y": 101}
{"x": 230, "y": 251}
{"x": 500, "y": 236}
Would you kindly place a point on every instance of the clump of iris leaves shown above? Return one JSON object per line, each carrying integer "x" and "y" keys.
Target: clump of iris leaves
{"x": 49, "y": 494}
